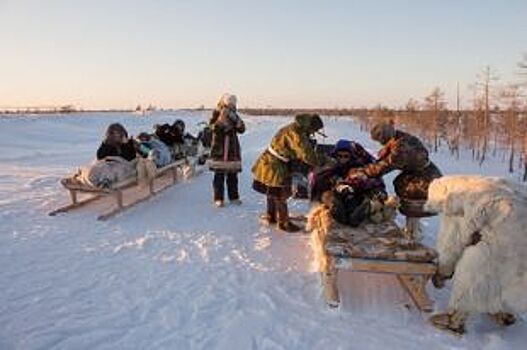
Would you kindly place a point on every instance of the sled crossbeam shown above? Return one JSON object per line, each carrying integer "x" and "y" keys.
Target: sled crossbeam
{"x": 75, "y": 204}
{"x": 121, "y": 207}
{"x": 412, "y": 277}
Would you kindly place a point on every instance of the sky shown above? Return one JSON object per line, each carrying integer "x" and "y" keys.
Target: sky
{"x": 288, "y": 53}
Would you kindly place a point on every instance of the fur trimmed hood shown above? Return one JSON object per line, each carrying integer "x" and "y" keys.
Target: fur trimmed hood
{"x": 227, "y": 100}
{"x": 310, "y": 123}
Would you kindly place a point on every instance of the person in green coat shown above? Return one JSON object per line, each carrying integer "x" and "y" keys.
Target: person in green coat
{"x": 272, "y": 170}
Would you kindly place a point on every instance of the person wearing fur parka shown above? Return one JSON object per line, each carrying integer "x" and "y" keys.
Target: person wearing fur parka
{"x": 482, "y": 246}
{"x": 225, "y": 154}
{"x": 404, "y": 152}
{"x": 272, "y": 171}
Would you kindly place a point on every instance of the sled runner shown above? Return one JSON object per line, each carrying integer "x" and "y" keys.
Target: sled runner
{"x": 76, "y": 187}
{"x": 375, "y": 248}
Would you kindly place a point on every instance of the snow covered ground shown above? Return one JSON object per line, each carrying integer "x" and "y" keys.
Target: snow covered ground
{"x": 177, "y": 273}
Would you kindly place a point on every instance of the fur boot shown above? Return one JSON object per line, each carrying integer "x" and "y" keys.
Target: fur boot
{"x": 453, "y": 321}
{"x": 503, "y": 319}
{"x": 282, "y": 215}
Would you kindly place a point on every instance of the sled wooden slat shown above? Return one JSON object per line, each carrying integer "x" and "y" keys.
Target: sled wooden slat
{"x": 384, "y": 266}
{"x": 116, "y": 191}
{"x": 415, "y": 286}
{"x": 348, "y": 249}
{"x": 75, "y": 205}
{"x": 121, "y": 208}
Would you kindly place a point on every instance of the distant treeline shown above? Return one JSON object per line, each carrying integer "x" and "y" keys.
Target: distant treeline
{"x": 498, "y": 134}
{"x": 294, "y": 111}
{"x": 57, "y": 110}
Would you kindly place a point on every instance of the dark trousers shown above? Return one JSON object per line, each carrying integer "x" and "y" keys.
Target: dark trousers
{"x": 219, "y": 185}
{"x": 277, "y": 209}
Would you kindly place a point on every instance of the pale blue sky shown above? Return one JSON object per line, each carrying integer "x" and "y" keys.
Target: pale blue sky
{"x": 117, "y": 53}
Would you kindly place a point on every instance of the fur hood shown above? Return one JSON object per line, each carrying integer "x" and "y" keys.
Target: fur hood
{"x": 309, "y": 122}
{"x": 227, "y": 100}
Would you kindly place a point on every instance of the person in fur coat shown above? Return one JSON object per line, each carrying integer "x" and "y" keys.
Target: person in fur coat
{"x": 482, "y": 246}
{"x": 225, "y": 154}
{"x": 404, "y": 152}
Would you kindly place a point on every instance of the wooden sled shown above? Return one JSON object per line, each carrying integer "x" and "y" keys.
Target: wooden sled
{"x": 374, "y": 248}
{"x": 75, "y": 188}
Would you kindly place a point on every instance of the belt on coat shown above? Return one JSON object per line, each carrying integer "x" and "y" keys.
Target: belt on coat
{"x": 277, "y": 155}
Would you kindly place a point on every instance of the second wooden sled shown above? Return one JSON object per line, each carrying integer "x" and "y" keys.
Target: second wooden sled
{"x": 75, "y": 188}
{"x": 373, "y": 248}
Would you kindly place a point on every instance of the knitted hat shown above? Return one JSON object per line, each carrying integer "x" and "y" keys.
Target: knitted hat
{"x": 343, "y": 145}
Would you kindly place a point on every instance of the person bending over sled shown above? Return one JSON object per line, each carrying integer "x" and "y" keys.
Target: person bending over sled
{"x": 272, "y": 170}
{"x": 225, "y": 154}
{"x": 404, "y": 152}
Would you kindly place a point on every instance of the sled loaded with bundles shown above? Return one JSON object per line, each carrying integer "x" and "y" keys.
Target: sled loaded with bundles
{"x": 131, "y": 166}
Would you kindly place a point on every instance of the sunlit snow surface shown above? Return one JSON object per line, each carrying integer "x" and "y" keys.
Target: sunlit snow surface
{"x": 177, "y": 273}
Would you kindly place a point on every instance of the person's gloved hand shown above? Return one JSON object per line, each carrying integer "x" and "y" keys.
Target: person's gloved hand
{"x": 344, "y": 188}
{"x": 379, "y": 195}
{"x": 223, "y": 121}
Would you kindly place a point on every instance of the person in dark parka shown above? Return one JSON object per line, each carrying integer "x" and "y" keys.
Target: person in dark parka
{"x": 117, "y": 144}
{"x": 225, "y": 154}
{"x": 171, "y": 135}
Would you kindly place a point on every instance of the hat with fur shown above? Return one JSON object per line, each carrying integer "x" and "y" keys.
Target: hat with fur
{"x": 382, "y": 132}
{"x": 316, "y": 123}
{"x": 227, "y": 100}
